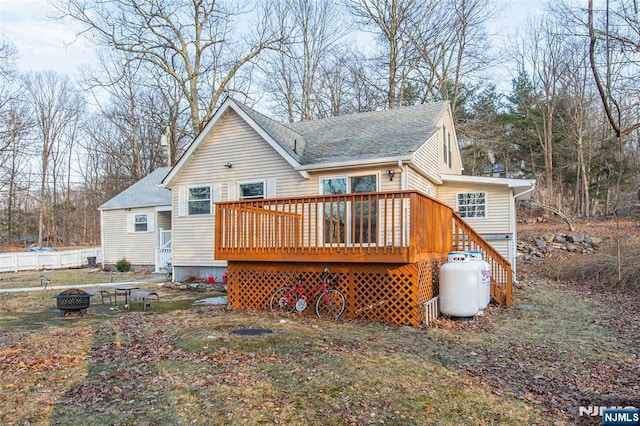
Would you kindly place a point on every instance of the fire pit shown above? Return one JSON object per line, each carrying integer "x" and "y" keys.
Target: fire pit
{"x": 72, "y": 300}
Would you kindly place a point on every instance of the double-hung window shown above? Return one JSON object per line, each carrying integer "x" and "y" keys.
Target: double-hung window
{"x": 140, "y": 222}
{"x": 472, "y": 204}
{"x": 199, "y": 201}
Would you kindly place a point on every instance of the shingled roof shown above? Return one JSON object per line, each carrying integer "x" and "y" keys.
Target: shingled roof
{"x": 364, "y": 136}
{"x": 147, "y": 192}
{"x": 387, "y": 135}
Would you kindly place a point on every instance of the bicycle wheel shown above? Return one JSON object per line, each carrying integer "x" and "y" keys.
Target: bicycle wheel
{"x": 331, "y": 305}
{"x": 283, "y": 300}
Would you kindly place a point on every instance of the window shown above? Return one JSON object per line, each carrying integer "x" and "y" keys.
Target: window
{"x": 445, "y": 149}
{"x": 449, "y": 149}
{"x": 199, "y": 200}
{"x": 251, "y": 190}
{"x": 140, "y": 223}
{"x": 472, "y": 204}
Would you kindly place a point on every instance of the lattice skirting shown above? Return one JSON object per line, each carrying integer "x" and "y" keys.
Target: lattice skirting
{"x": 392, "y": 293}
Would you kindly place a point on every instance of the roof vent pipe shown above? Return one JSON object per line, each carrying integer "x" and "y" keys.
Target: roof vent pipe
{"x": 295, "y": 146}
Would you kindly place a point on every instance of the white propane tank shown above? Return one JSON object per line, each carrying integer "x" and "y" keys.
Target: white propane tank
{"x": 484, "y": 289}
{"x": 459, "y": 286}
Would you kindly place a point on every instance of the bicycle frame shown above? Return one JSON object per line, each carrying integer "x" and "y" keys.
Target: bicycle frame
{"x": 318, "y": 291}
{"x": 329, "y": 302}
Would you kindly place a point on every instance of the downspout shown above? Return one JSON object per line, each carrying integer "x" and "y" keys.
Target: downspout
{"x": 515, "y": 231}
{"x": 404, "y": 180}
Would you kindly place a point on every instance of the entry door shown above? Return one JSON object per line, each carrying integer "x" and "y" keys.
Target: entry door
{"x": 360, "y": 217}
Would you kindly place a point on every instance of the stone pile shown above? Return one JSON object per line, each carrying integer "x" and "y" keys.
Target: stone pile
{"x": 533, "y": 249}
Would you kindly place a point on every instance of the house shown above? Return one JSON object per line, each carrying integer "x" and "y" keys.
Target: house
{"x": 243, "y": 156}
{"x": 136, "y": 224}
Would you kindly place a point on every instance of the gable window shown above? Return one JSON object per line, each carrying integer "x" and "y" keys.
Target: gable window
{"x": 199, "y": 200}
{"x": 472, "y": 204}
{"x": 446, "y": 146}
{"x": 449, "y": 149}
{"x": 445, "y": 150}
{"x": 251, "y": 190}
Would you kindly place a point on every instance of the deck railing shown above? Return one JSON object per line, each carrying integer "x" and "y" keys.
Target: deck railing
{"x": 380, "y": 227}
{"x": 466, "y": 238}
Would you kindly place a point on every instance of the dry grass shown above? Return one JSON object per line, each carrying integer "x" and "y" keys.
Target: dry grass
{"x": 180, "y": 364}
{"x": 67, "y": 277}
{"x": 602, "y": 271}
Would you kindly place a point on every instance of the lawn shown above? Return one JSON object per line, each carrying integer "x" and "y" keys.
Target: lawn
{"x": 179, "y": 363}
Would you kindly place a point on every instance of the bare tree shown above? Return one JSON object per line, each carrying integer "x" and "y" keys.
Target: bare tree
{"x": 396, "y": 24}
{"x": 542, "y": 56}
{"x": 453, "y": 47}
{"x": 299, "y": 59}
{"x": 57, "y": 107}
{"x": 578, "y": 121}
{"x": 194, "y": 42}
{"x": 614, "y": 56}
{"x": 345, "y": 86}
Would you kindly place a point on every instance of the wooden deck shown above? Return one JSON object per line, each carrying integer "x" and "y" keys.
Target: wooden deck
{"x": 350, "y": 231}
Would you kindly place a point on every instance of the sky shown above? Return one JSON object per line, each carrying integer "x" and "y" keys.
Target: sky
{"x": 45, "y": 44}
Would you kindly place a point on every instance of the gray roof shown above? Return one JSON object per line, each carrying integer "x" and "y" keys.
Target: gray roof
{"x": 291, "y": 141}
{"x": 147, "y": 192}
{"x": 364, "y": 136}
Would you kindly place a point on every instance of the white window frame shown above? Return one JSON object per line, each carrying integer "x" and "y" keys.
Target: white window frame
{"x": 253, "y": 182}
{"x": 149, "y": 222}
{"x": 137, "y": 216}
{"x": 472, "y": 213}
{"x": 189, "y": 200}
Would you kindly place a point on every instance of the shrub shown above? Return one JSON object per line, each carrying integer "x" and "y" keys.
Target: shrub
{"x": 123, "y": 265}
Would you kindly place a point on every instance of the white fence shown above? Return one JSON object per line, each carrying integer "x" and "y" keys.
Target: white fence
{"x": 28, "y": 261}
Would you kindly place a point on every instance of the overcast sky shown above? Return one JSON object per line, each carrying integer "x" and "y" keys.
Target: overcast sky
{"x": 44, "y": 43}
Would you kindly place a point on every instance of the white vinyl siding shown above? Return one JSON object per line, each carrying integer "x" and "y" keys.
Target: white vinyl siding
{"x": 252, "y": 159}
{"x": 426, "y": 158}
{"x": 498, "y": 212}
{"x": 420, "y": 183}
{"x": 137, "y": 247}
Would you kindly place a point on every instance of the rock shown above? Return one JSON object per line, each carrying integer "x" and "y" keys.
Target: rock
{"x": 595, "y": 241}
{"x": 540, "y": 243}
{"x": 575, "y": 237}
{"x": 629, "y": 211}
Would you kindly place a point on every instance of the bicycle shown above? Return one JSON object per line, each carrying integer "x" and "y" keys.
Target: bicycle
{"x": 330, "y": 303}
